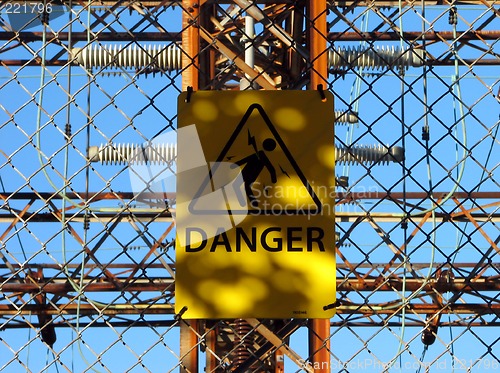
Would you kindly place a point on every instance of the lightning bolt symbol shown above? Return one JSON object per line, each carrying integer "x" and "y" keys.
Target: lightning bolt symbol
{"x": 284, "y": 171}
{"x": 251, "y": 141}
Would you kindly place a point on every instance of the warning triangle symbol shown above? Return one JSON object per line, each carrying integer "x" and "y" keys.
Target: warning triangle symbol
{"x": 272, "y": 182}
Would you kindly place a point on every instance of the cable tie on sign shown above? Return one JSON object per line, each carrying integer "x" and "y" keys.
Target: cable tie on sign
{"x": 332, "y": 305}
{"x": 189, "y": 93}
{"x": 178, "y": 316}
{"x": 321, "y": 92}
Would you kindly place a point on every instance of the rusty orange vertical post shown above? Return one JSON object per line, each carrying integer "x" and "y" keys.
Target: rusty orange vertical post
{"x": 190, "y": 44}
{"x": 318, "y": 43}
{"x": 211, "y": 350}
{"x": 279, "y": 357}
{"x": 190, "y": 78}
{"x": 319, "y": 329}
{"x": 189, "y": 346}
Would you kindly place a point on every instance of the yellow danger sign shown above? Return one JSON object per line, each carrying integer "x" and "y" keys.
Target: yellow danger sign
{"x": 255, "y": 205}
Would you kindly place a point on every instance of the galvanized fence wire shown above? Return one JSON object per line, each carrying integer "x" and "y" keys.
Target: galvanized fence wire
{"x": 89, "y": 92}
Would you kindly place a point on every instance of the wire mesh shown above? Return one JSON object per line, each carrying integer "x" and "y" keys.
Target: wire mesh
{"x": 87, "y": 249}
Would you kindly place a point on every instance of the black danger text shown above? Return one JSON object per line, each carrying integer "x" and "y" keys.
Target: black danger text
{"x": 272, "y": 239}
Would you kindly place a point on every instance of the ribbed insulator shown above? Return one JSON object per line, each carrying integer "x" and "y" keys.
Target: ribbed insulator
{"x": 368, "y": 155}
{"x": 121, "y": 154}
{"x": 374, "y": 58}
{"x": 166, "y": 58}
{"x": 242, "y": 341}
{"x": 345, "y": 117}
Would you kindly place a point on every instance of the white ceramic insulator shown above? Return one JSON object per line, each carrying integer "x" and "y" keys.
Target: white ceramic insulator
{"x": 164, "y": 57}
{"x": 345, "y": 117}
{"x": 368, "y": 155}
{"x": 375, "y": 58}
{"x": 123, "y": 154}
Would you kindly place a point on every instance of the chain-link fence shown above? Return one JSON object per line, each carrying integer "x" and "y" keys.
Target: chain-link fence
{"x": 89, "y": 102}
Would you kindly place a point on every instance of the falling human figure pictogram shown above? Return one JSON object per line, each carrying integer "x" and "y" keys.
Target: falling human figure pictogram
{"x": 253, "y": 165}
{"x": 258, "y": 158}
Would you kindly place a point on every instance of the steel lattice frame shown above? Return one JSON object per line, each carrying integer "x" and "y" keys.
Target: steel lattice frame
{"x": 88, "y": 262}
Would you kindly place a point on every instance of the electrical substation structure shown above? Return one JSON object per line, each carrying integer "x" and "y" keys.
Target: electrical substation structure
{"x": 320, "y": 177}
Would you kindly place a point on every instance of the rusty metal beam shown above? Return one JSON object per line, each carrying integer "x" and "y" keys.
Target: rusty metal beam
{"x": 88, "y": 309}
{"x": 458, "y": 285}
{"x": 166, "y": 285}
{"x": 176, "y": 36}
{"x": 477, "y": 226}
{"x": 61, "y": 286}
{"x": 130, "y": 266}
{"x": 169, "y": 322}
{"x": 253, "y": 74}
{"x": 278, "y": 343}
{"x": 168, "y": 309}
{"x": 461, "y": 309}
{"x": 350, "y": 217}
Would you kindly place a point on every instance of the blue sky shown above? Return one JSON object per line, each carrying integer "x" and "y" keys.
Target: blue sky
{"x": 129, "y": 109}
